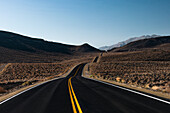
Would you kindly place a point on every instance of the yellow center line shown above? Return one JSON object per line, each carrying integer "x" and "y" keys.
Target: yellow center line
{"x": 73, "y": 97}
{"x": 78, "y": 106}
{"x": 76, "y": 71}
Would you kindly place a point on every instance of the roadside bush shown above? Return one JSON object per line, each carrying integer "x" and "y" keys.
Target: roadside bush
{"x": 2, "y": 90}
{"x": 27, "y": 83}
{"x": 137, "y": 73}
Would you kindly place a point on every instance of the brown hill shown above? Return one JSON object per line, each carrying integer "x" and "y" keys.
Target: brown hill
{"x": 18, "y": 48}
{"x": 152, "y": 43}
{"x": 24, "y": 43}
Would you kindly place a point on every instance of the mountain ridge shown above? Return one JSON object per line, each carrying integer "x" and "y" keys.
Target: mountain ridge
{"x": 15, "y": 47}
{"x": 16, "y": 41}
{"x": 122, "y": 43}
{"x": 162, "y": 42}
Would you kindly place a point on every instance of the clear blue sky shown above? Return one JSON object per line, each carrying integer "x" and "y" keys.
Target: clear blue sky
{"x": 97, "y": 22}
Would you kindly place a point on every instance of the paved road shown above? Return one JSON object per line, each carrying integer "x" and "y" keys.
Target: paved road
{"x": 75, "y": 94}
{"x": 96, "y": 59}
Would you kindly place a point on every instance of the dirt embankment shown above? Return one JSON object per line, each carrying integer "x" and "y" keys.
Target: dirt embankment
{"x": 152, "y": 75}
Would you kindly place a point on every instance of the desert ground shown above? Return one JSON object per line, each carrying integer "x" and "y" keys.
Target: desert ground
{"x": 18, "y": 75}
{"x": 143, "y": 69}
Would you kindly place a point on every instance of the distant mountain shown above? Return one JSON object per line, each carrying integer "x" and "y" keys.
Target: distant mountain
{"x": 15, "y": 46}
{"x": 120, "y": 44}
{"x": 150, "y": 43}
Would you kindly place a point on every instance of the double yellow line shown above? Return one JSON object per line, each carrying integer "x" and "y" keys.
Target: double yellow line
{"x": 73, "y": 96}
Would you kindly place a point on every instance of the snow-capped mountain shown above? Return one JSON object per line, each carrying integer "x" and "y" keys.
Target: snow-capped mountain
{"x": 120, "y": 44}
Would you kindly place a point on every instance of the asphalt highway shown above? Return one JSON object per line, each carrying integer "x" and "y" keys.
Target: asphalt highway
{"x": 75, "y": 94}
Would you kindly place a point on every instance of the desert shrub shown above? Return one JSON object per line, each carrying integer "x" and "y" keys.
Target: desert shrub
{"x": 16, "y": 72}
{"x": 2, "y": 90}
{"x": 49, "y": 78}
{"x": 32, "y": 71}
{"x": 26, "y": 83}
{"x": 139, "y": 73}
{"x": 91, "y": 76}
{"x": 149, "y": 55}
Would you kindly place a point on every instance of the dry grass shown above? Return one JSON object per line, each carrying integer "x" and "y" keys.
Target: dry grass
{"x": 128, "y": 68}
{"x": 8, "y": 95}
{"x": 2, "y": 90}
{"x": 87, "y": 74}
{"x": 18, "y": 75}
{"x": 32, "y": 71}
{"x": 148, "y": 55}
{"x": 16, "y": 72}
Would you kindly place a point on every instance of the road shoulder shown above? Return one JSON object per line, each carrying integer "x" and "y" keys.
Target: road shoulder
{"x": 166, "y": 96}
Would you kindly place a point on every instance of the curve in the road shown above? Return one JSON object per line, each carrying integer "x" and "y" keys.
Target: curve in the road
{"x": 75, "y": 94}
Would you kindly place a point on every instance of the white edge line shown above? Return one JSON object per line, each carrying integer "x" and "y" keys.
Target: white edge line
{"x": 26, "y": 91}
{"x": 34, "y": 87}
{"x": 130, "y": 90}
